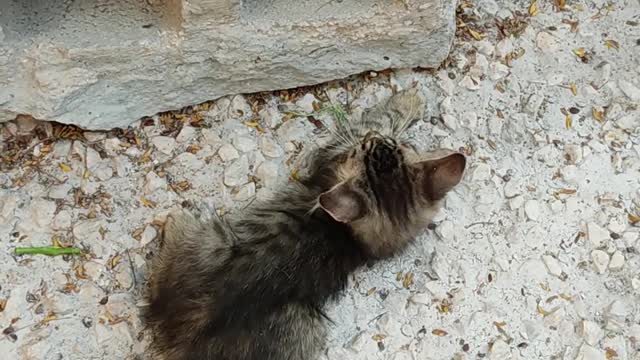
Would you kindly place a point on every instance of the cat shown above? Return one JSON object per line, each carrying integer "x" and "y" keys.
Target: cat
{"x": 253, "y": 285}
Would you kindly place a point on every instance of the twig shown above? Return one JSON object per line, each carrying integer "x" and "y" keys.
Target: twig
{"x": 48, "y": 250}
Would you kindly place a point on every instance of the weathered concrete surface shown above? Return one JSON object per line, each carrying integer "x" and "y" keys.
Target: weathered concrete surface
{"x": 104, "y": 64}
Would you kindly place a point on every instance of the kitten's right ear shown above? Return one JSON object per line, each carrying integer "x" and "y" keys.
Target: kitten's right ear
{"x": 343, "y": 203}
{"x": 439, "y": 176}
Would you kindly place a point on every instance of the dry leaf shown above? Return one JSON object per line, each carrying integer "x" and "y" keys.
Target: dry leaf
{"x": 612, "y": 44}
{"x": 476, "y": 34}
{"x": 633, "y": 219}
{"x": 50, "y": 317}
{"x": 64, "y": 167}
{"x": 439, "y": 332}
{"x": 3, "y": 304}
{"x": 560, "y": 4}
{"x": 147, "y": 203}
{"x": 598, "y": 115}
{"x": 574, "y": 89}
{"x": 568, "y": 121}
{"x": 533, "y": 8}
{"x": 580, "y": 52}
{"x": 193, "y": 148}
{"x": 295, "y": 176}
{"x": 371, "y": 291}
{"x": 255, "y": 125}
{"x": 408, "y": 280}
{"x": 378, "y": 337}
{"x": 610, "y": 353}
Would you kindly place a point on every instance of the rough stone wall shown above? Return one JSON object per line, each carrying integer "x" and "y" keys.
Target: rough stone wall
{"x": 105, "y": 64}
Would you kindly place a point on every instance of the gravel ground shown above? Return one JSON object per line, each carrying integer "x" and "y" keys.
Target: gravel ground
{"x": 536, "y": 255}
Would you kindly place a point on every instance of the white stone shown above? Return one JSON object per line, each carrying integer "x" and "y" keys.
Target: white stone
{"x": 124, "y": 277}
{"x": 270, "y": 148}
{"x": 60, "y": 191}
{"x": 153, "y": 182}
{"x": 590, "y": 331}
{"x": 305, "y": 103}
{"x": 245, "y": 192}
{"x": 573, "y": 153}
{"x": 164, "y": 144}
{"x": 148, "y": 235}
{"x": 211, "y": 137}
{"x": 498, "y": 70}
{"x": 89, "y": 231}
{"x": 450, "y": 121}
{"x": 293, "y": 129}
{"x": 597, "y": 235}
{"x": 511, "y": 189}
{"x": 270, "y": 117}
{"x": 516, "y": 202}
{"x": 629, "y": 121}
{"x": 617, "y": 261}
{"x": 446, "y": 230}
{"x": 186, "y": 134}
{"x": 236, "y": 173}
{"x": 267, "y": 172}
{"x": 469, "y": 120}
{"x": 244, "y": 143}
{"x": 629, "y": 89}
{"x": 546, "y": 42}
{"x": 588, "y": 352}
{"x": 553, "y": 265}
{"x": 61, "y": 220}
{"x": 42, "y": 212}
{"x": 228, "y": 153}
{"x": 532, "y": 210}
{"x": 500, "y": 350}
{"x": 533, "y": 329}
{"x": 482, "y": 172}
{"x": 600, "y": 260}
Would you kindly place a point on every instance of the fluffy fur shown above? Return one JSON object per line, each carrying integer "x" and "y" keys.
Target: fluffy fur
{"x": 252, "y": 286}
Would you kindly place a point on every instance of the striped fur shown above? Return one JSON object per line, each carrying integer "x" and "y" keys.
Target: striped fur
{"x": 253, "y": 286}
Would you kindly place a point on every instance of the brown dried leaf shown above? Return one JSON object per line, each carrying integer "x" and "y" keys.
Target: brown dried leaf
{"x": 147, "y": 203}
{"x": 574, "y": 89}
{"x": 597, "y": 114}
{"x": 295, "y": 175}
{"x": 64, "y": 167}
{"x": 610, "y": 353}
{"x": 371, "y": 291}
{"x": 408, "y": 280}
{"x": 3, "y": 304}
{"x": 255, "y": 125}
{"x": 568, "y": 121}
{"x": 612, "y": 44}
{"x": 634, "y": 219}
{"x": 193, "y": 148}
{"x": 378, "y": 337}
{"x": 580, "y": 52}
{"x": 533, "y": 8}
{"x": 439, "y": 332}
{"x": 181, "y": 186}
{"x": 476, "y": 34}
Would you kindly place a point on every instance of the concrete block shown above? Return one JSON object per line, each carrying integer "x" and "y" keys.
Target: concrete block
{"x": 102, "y": 64}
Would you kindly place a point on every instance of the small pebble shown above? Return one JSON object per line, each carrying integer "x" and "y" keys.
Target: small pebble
{"x": 600, "y": 260}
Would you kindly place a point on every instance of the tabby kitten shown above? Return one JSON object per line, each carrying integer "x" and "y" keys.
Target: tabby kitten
{"x": 252, "y": 286}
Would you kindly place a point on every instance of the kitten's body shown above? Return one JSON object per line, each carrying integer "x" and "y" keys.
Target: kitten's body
{"x": 253, "y": 287}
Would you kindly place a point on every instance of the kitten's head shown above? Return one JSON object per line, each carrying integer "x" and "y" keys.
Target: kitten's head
{"x": 386, "y": 192}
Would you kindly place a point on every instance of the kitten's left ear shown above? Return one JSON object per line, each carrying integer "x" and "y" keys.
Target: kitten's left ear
{"x": 343, "y": 202}
{"x": 439, "y": 176}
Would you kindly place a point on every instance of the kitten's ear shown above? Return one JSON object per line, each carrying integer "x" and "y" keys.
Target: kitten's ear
{"x": 343, "y": 203}
{"x": 439, "y": 176}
